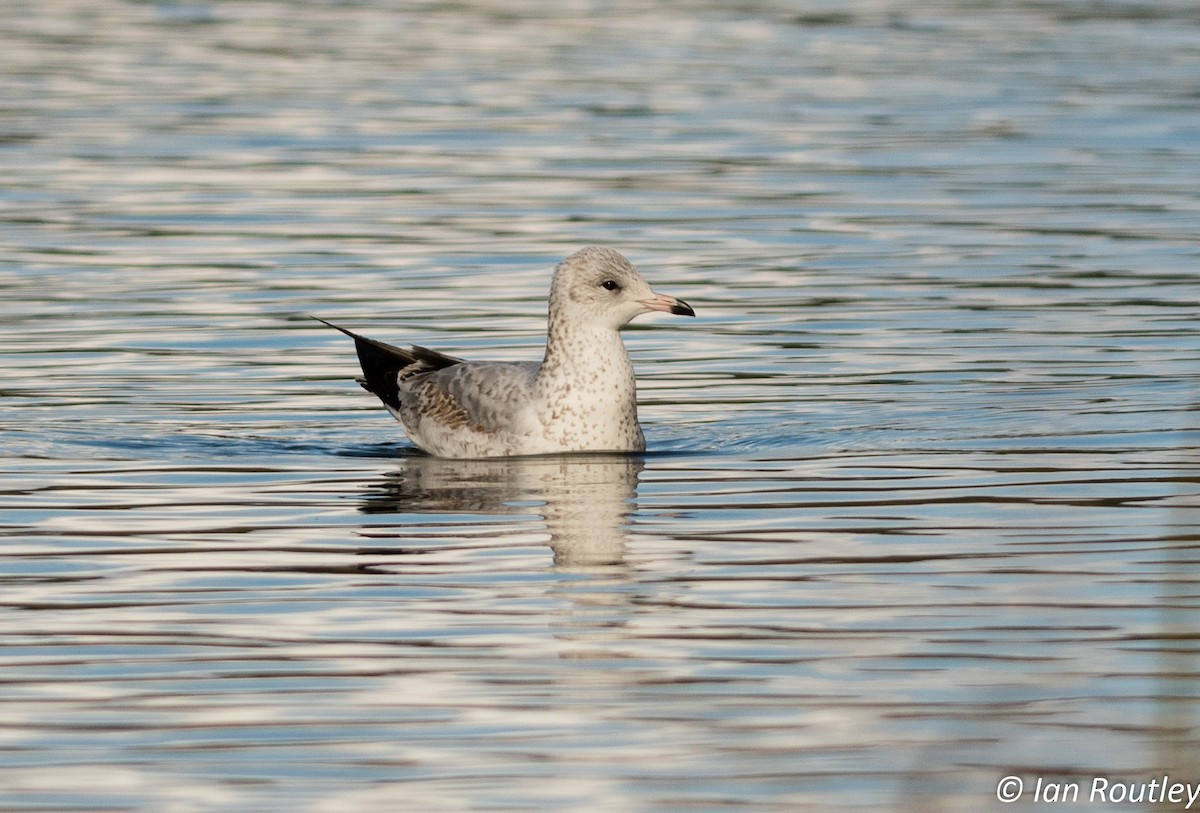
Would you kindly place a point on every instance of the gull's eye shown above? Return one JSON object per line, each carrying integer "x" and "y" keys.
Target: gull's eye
{"x": 610, "y": 285}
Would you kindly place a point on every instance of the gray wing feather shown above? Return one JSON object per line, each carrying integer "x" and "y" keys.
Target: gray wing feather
{"x": 483, "y": 396}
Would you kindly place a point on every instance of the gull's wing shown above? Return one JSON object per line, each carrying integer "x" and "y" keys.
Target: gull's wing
{"x": 385, "y": 366}
{"x": 490, "y": 397}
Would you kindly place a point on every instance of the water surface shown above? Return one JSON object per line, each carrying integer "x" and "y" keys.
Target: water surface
{"x": 921, "y": 503}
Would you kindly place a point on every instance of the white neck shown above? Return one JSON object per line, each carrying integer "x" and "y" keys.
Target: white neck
{"x": 588, "y": 391}
{"x": 593, "y": 359}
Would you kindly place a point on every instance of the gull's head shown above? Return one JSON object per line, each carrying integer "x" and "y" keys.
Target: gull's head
{"x": 599, "y": 286}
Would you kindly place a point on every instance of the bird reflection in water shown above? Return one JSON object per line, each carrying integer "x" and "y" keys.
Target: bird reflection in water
{"x": 585, "y": 501}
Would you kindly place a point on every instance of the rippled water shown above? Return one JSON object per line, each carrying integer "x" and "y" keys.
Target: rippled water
{"x": 920, "y": 509}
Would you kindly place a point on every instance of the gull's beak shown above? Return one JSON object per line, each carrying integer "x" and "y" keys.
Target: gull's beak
{"x": 669, "y": 304}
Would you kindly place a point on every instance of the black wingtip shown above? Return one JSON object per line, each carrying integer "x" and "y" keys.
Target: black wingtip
{"x": 381, "y": 364}
{"x": 332, "y": 325}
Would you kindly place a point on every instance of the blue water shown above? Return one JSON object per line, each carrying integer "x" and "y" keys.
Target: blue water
{"x": 920, "y": 506}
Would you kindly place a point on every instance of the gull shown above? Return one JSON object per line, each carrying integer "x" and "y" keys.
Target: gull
{"x": 582, "y": 396}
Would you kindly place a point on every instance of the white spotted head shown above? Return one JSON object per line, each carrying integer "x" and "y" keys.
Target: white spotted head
{"x": 598, "y": 286}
